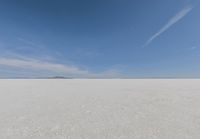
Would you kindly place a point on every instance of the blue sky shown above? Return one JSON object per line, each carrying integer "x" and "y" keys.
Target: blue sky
{"x": 100, "y": 38}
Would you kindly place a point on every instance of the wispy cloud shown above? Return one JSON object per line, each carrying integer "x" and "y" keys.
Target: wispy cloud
{"x": 181, "y": 14}
{"x": 66, "y": 70}
{"x": 27, "y": 41}
{"x": 40, "y": 65}
{"x": 194, "y": 47}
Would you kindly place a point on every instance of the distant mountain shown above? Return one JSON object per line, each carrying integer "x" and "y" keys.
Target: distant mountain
{"x": 59, "y": 77}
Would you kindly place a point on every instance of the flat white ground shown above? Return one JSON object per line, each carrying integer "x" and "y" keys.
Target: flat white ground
{"x": 100, "y": 109}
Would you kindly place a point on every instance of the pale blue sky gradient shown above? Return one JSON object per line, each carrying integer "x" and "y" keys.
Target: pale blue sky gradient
{"x": 100, "y": 38}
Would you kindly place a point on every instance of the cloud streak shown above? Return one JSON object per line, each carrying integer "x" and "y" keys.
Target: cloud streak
{"x": 181, "y": 14}
{"x": 71, "y": 71}
{"x": 40, "y": 65}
